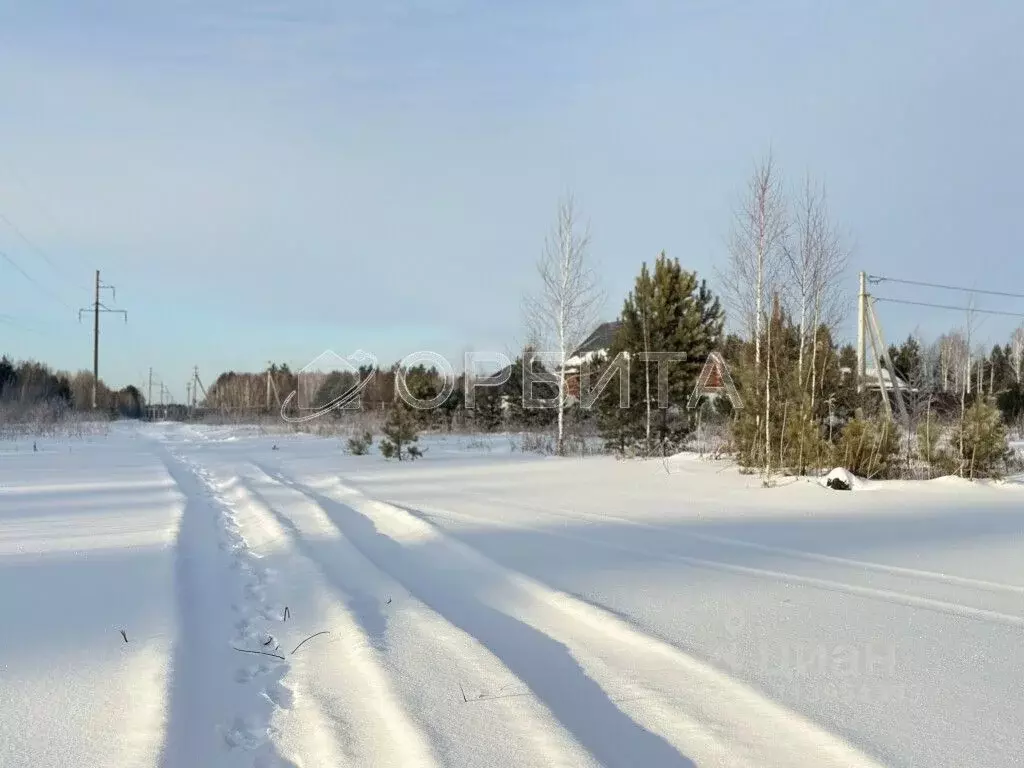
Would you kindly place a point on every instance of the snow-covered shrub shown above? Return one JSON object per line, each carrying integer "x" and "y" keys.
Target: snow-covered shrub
{"x": 869, "y": 448}
{"x": 803, "y": 446}
{"x": 50, "y": 418}
{"x": 359, "y": 444}
{"x": 535, "y": 442}
{"x": 477, "y": 443}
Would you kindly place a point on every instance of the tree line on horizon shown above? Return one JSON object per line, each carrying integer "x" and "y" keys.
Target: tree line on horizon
{"x": 783, "y": 289}
{"x": 28, "y": 383}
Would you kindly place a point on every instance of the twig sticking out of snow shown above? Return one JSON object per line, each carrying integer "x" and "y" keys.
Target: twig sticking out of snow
{"x": 287, "y": 614}
{"x": 488, "y": 697}
{"x": 316, "y": 634}
{"x": 124, "y": 635}
{"x": 261, "y": 653}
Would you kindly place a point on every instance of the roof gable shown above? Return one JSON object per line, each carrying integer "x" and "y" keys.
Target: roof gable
{"x": 600, "y": 339}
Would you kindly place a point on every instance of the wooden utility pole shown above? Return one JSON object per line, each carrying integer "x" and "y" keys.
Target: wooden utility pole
{"x": 862, "y": 301}
{"x": 96, "y": 341}
{"x": 96, "y": 308}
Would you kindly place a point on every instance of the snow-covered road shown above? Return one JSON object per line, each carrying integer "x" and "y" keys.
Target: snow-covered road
{"x": 287, "y": 605}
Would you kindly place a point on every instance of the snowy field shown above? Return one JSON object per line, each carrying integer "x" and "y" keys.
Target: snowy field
{"x": 482, "y": 607}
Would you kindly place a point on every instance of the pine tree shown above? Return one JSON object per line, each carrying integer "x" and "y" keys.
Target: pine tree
{"x": 544, "y": 387}
{"x": 502, "y": 406}
{"x": 907, "y": 358}
{"x": 869, "y": 448}
{"x": 983, "y": 437}
{"x": 8, "y": 376}
{"x": 454, "y": 404}
{"x": 400, "y": 434}
{"x": 1001, "y": 371}
{"x": 1011, "y": 404}
{"x": 668, "y": 310}
{"x": 487, "y": 413}
{"x": 424, "y": 384}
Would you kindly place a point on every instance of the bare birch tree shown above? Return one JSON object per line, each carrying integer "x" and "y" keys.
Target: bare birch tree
{"x": 965, "y": 389}
{"x": 954, "y": 355}
{"x": 565, "y": 308}
{"x": 799, "y": 264}
{"x": 755, "y": 250}
{"x": 759, "y": 231}
{"x": 943, "y": 355}
{"x": 812, "y": 268}
{"x": 1017, "y": 354}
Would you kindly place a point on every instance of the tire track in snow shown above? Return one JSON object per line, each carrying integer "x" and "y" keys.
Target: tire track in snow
{"x": 896, "y": 570}
{"x": 212, "y": 720}
{"x": 255, "y": 630}
{"x": 465, "y": 694}
{"x": 611, "y": 673}
{"x": 355, "y": 700}
{"x": 946, "y": 607}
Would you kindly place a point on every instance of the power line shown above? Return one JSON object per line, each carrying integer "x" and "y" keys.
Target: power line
{"x": 34, "y": 197}
{"x": 39, "y": 251}
{"x": 34, "y": 282}
{"x": 948, "y": 306}
{"x": 60, "y": 270}
{"x": 13, "y": 322}
{"x": 880, "y": 279}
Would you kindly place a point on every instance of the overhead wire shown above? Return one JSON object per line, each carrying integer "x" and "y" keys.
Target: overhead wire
{"x": 947, "y": 306}
{"x": 35, "y": 248}
{"x": 881, "y": 279}
{"x": 31, "y": 194}
{"x": 6, "y": 257}
{"x": 14, "y": 322}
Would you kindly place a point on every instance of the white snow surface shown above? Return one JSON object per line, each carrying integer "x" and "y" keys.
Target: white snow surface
{"x": 481, "y": 607}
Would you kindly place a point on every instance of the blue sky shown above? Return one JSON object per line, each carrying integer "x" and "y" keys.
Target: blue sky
{"x": 265, "y": 180}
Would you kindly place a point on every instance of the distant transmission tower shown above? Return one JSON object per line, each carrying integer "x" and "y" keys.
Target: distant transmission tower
{"x": 96, "y": 308}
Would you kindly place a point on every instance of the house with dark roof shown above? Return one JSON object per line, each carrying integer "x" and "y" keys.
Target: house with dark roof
{"x": 596, "y": 344}
{"x": 594, "y": 347}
